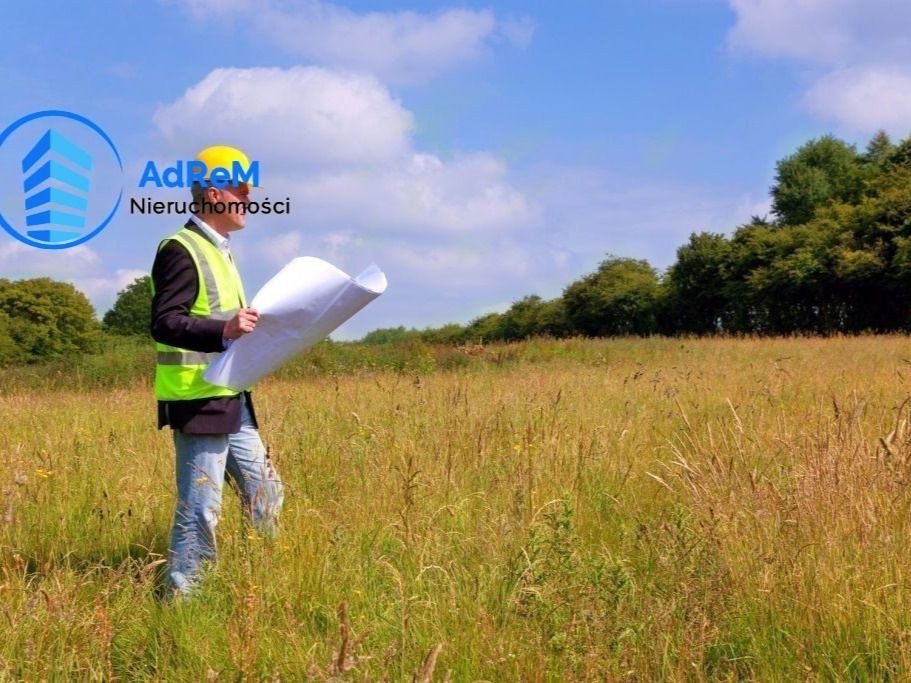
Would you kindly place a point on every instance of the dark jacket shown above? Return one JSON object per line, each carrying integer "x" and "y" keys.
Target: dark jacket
{"x": 176, "y": 287}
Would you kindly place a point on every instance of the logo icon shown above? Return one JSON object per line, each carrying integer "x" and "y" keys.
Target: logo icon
{"x": 70, "y": 174}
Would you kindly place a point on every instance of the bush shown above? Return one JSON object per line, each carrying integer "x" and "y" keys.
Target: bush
{"x": 45, "y": 320}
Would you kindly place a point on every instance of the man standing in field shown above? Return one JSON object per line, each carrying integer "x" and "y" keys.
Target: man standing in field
{"x": 198, "y": 309}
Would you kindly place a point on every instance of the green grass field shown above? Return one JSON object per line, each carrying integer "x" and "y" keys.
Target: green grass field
{"x": 576, "y": 510}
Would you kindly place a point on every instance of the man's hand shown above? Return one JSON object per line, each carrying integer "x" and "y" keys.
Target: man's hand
{"x": 243, "y": 322}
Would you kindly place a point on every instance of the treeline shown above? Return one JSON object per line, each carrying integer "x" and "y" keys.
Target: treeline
{"x": 834, "y": 257}
{"x": 45, "y": 320}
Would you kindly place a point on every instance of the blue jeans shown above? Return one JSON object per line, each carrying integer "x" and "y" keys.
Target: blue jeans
{"x": 203, "y": 460}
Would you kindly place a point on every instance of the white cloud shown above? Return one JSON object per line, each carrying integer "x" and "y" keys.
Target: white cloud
{"x": 283, "y": 247}
{"x": 834, "y": 32}
{"x": 864, "y": 99}
{"x": 817, "y": 30}
{"x": 475, "y": 265}
{"x": 339, "y": 146}
{"x": 400, "y": 47}
{"x": 298, "y": 116}
{"x": 420, "y": 192}
{"x": 863, "y": 47}
{"x": 18, "y": 260}
{"x": 338, "y": 242}
{"x": 338, "y": 239}
{"x": 81, "y": 266}
{"x": 102, "y": 289}
{"x": 591, "y": 212}
{"x": 518, "y": 30}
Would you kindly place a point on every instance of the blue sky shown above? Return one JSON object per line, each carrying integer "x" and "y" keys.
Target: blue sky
{"x": 478, "y": 151}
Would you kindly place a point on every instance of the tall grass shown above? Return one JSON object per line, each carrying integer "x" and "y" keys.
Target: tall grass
{"x": 645, "y": 509}
{"x": 125, "y": 362}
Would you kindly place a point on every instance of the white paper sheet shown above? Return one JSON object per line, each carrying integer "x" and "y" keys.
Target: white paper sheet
{"x": 298, "y": 307}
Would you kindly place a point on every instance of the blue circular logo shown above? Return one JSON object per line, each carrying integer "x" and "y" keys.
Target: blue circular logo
{"x": 61, "y": 178}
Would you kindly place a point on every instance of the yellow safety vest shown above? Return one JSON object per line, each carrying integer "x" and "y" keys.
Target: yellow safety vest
{"x": 178, "y": 372}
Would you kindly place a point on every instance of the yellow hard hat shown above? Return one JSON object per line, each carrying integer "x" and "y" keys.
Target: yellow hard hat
{"x": 223, "y": 156}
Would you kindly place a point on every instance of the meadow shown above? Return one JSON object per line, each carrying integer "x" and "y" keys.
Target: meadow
{"x": 628, "y": 509}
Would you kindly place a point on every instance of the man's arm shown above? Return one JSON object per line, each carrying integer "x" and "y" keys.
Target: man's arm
{"x": 176, "y": 287}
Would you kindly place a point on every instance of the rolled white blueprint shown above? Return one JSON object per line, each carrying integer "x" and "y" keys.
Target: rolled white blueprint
{"x": 298, "y": 307}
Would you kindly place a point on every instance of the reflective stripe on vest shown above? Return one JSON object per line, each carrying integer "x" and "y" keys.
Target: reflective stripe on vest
{"x": 179, "y": 372}
{"x": 185, "y": 358}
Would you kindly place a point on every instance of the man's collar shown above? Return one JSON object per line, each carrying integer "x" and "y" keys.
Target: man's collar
{"x": 216, "y": 239}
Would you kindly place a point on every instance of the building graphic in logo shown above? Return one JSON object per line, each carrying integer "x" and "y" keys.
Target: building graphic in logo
{"x": 56, "y": 188}
{"x": 70, "y": 177}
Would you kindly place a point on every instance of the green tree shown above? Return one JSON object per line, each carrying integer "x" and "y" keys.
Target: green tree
{"x": 820, "y": 172}
{"x": 521, "y": 320}
{"x": 132, "y": 312}
{"x": 487, "y": 328}
{"x": 777, "y": 278}
{"x": 695, "y": 292}
{"x": 9, "y": 352}
{"x": 901, "y": 154}
{"x": 879, "y": 150}
{"x": 551, "y": 320}
{"x": 389, "y": 335}
{"x": 451, "y": 333}
{"x": 48, "y": 319}
{"x": 620, "y": 298}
